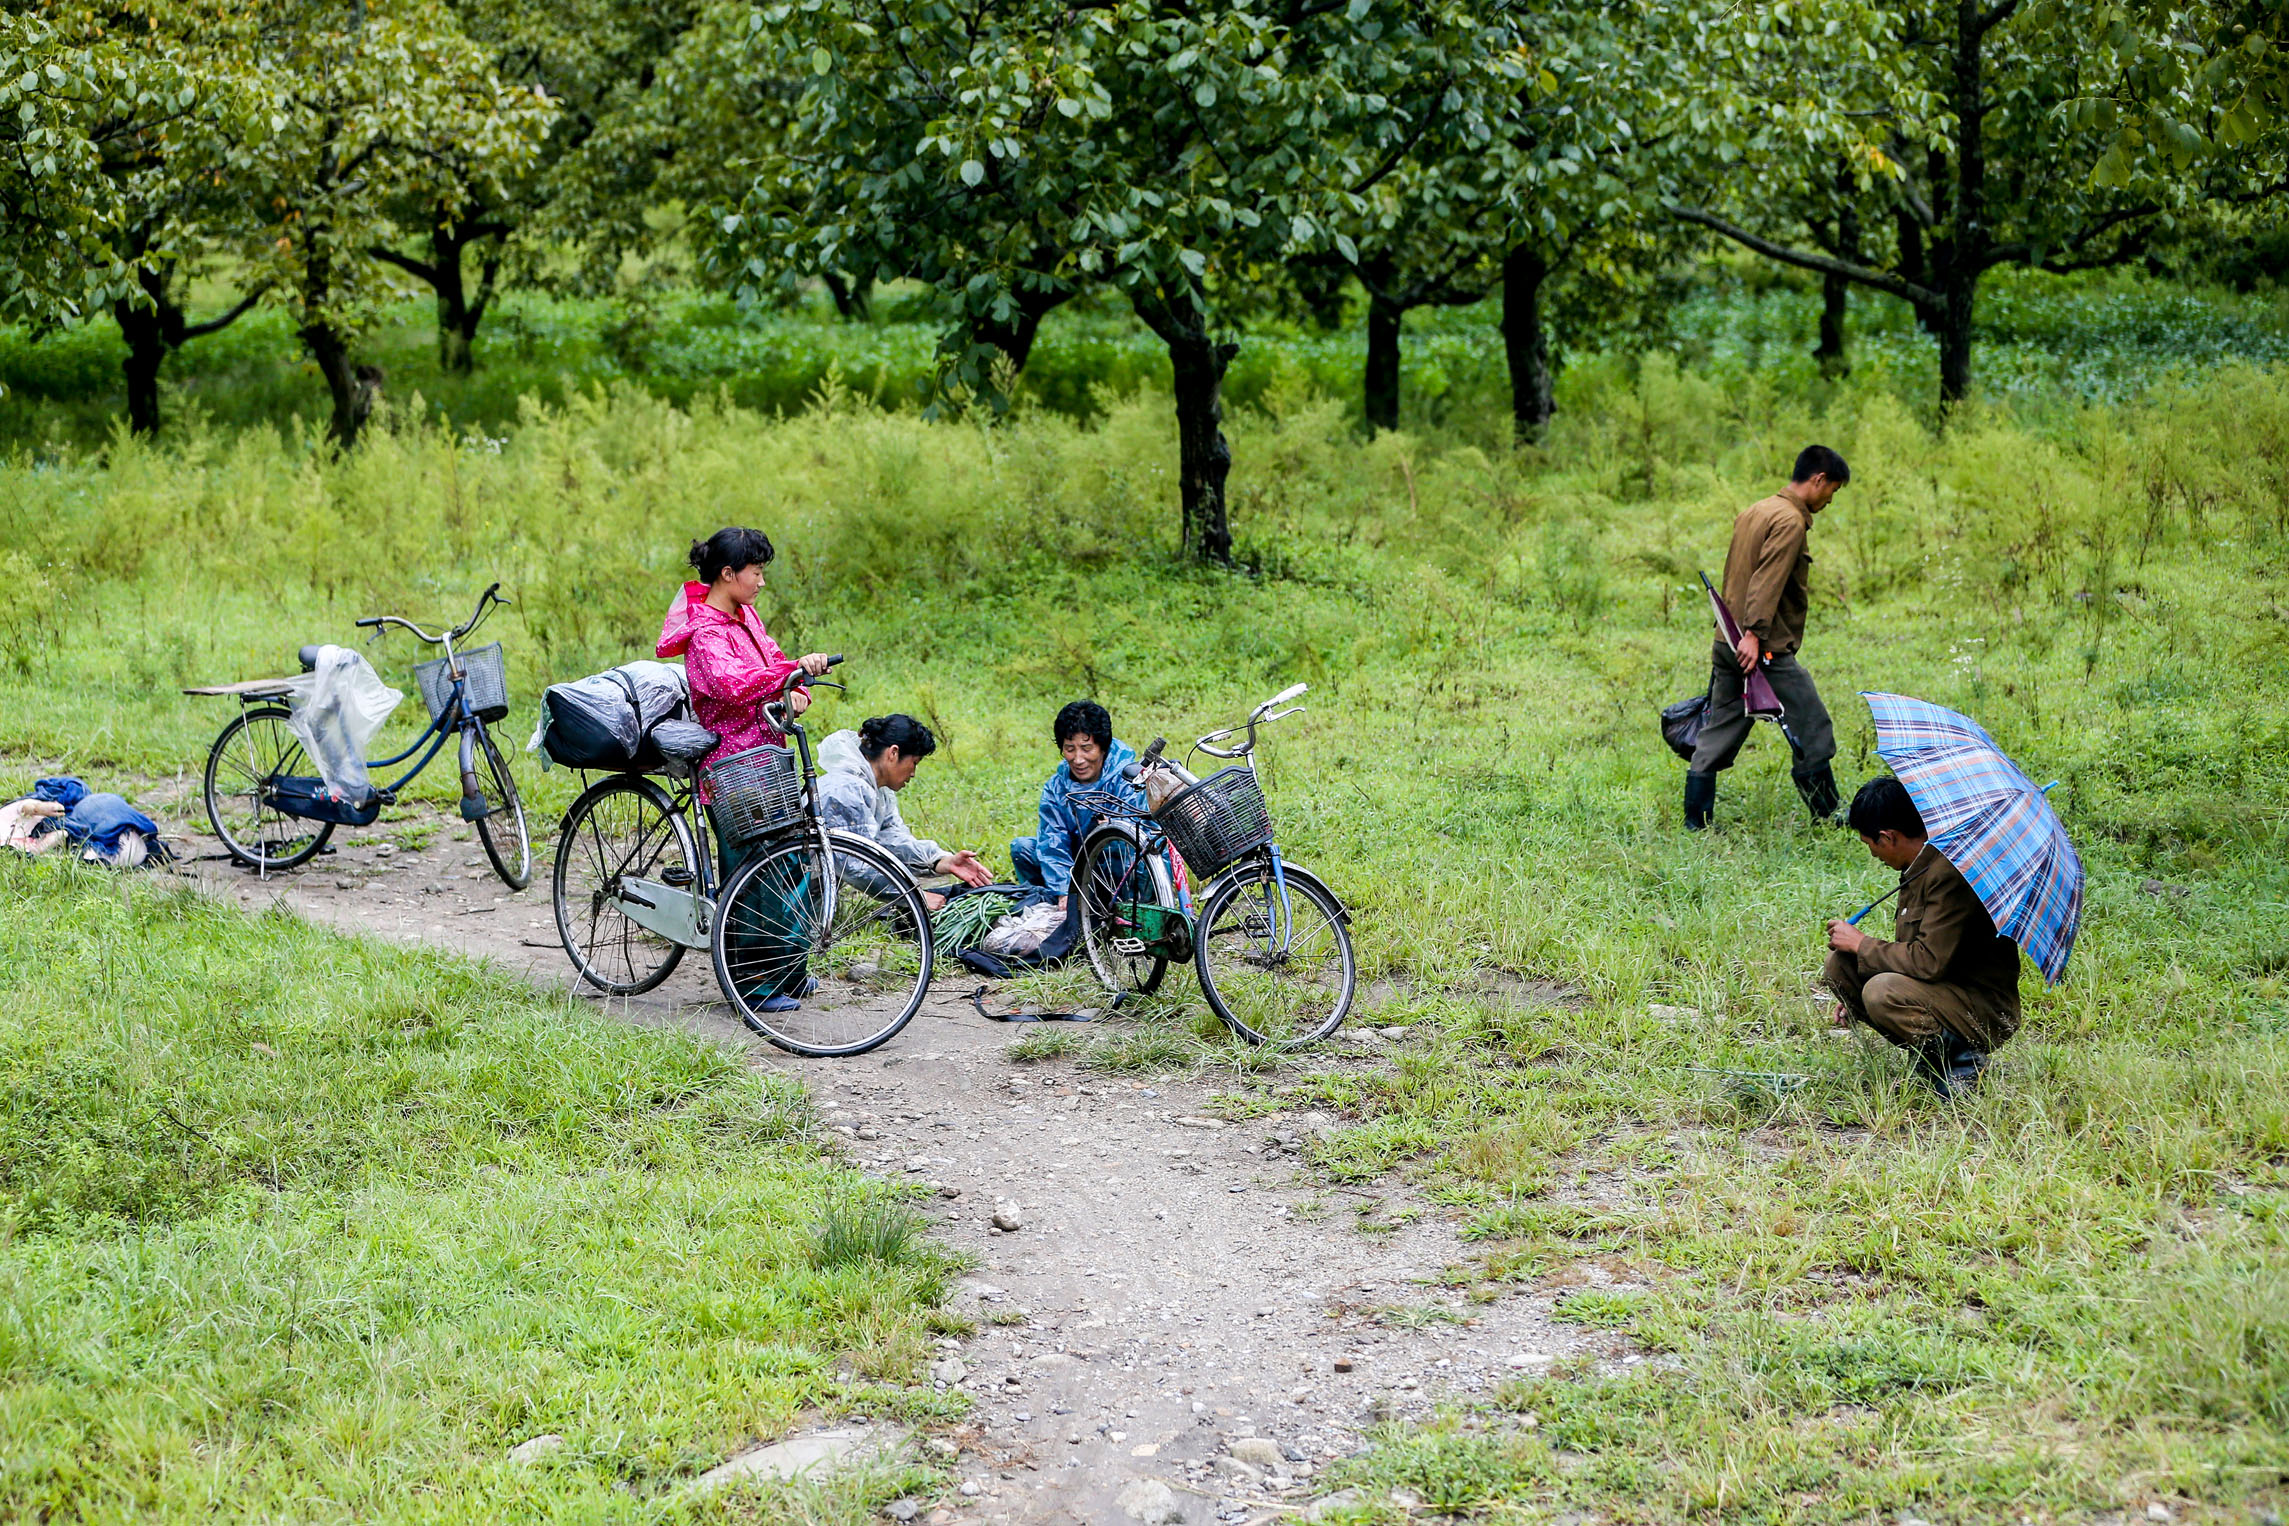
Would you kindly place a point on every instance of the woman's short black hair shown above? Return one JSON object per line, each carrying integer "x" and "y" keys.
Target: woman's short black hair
{"x": 1085, "y": 718}
{"x": 908, "y": 735}
{"x": 730, "y": 549}
{"x": 1883, "y": 803}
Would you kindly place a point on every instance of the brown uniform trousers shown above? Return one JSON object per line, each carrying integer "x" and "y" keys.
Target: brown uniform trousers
{"x": 1948, "y": 967}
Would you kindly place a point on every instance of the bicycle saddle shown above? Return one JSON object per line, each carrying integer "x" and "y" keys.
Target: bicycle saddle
{"x": 308, "y": 657}
{"x": 682, "y": 741}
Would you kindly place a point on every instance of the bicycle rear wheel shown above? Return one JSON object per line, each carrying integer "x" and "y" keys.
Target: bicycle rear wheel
{"x": 508, "y": 843}
{"x": 1118, "y": 881}
{"x": 255, "y": 749}
{"x": 856, "y": 974}
{"x": 1276, "y": 973}
{"x": 620, "y": 830}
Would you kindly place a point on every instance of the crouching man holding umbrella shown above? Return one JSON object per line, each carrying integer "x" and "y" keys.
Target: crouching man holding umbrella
{"x": 1985, "y": 869}
{"x": 1947, "y": 987}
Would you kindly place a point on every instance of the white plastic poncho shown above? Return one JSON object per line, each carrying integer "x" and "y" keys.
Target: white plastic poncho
{"x": 336, "y": 710}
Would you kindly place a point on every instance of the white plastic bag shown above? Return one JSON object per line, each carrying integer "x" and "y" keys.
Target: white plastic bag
{"x": 337, "y": 709}
{"x": 1022, "y": 932}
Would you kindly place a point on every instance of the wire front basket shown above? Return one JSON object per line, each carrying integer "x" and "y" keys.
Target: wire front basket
{"x": 485, "y": 674}
{"x": 754, "y": 793}
{"x": 1218, "y": 821}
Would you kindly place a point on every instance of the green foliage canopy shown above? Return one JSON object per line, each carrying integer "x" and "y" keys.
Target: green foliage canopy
{"x": 1009, "y": 153}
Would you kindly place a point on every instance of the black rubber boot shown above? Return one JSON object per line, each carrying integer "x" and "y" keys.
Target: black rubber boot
{"x": 1931, "y": 1063}
{"x": 1700, "y": 800}
{"x": 1817, "y": 785}
{"x": 1964, "y": 1065}
{"x": 1952, "y": 1065}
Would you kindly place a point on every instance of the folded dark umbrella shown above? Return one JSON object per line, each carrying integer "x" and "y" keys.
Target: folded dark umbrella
{"x": 1757, "y": 697}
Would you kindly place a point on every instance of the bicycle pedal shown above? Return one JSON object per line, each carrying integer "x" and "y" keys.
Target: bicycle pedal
{"x": 676, "y": 875}
{"x": 473, "y": 808}
{"x": 1131, "y": 947}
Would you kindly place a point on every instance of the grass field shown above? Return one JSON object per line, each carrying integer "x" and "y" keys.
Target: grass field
{"x": 2068, "y": 1296}
{"x": 294, "y": 1227}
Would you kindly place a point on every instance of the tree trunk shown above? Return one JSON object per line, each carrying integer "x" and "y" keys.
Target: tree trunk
{"x": 1204, "y": 456}
{"x": 455, "y": 356}
{"x": 352, "y": 394}
{"x": 1525, "y": 343}
{"x": 457, "y": 313}
{"x": 1381, "y": 386}
{"x": 1954, "y": 330}
{"x": 1014, "y": 339}
{"x": 146, "y": 336}
{"x": 1965, "y": 252}
{"x": 1835, "y": 302}
{"x": 854, "y": 299}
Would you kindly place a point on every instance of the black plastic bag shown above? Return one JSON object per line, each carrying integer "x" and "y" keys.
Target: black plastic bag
{"x": 1681, "y": 724}
{"x": 316, "y": 800}
{"x": 601, "y": 721}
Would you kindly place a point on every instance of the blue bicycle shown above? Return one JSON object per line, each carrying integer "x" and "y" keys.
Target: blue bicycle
{"x": 1270, "y": 941}
{"x": 263, "y": 795}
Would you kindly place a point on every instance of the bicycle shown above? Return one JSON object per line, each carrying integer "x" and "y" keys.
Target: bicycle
{"x": 817, "y": 918}
{"x": 1275, "y": 974}
{"x": 272, "y": 813}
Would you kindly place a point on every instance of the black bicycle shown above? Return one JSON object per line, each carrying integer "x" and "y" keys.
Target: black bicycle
{"x": 263, "y": 794}
{"x": 820, "y": 940}
{"x": 1271, "y": 943}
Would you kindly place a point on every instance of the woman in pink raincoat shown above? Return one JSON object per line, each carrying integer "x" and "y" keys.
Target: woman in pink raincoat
{"x": 735, "y": 668}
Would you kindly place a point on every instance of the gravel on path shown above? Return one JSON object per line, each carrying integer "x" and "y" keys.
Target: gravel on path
{"x": 1183, "y": 1303}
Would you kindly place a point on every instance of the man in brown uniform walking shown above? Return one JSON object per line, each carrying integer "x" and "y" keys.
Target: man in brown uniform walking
{"x": 1767, "y": 587}
{"x": 1947, "y": 986}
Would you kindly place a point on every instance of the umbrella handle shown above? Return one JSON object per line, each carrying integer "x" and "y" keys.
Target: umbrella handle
{"x": 1854, "y": 919}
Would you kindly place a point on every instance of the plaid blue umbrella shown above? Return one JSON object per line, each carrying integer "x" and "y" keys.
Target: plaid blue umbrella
{"x": 1990, "y": 820}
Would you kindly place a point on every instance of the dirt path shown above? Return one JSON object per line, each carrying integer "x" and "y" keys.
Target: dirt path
{"x": 1187, "y": 1326}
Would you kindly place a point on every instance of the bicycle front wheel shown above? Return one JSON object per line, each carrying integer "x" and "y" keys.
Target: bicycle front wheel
{"x": 508, "y": 843}
{"x": 621, "y": 830}
{"x": 814, "y": 979}
{"x": 253, "y": 752}
{"x": 1122, "y": 888}
{"x": 1277, "y": 970}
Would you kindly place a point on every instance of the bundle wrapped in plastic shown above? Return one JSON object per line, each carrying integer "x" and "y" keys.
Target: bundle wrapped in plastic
{"x": 335, "y": 709}
{"x": 601, "y": 721}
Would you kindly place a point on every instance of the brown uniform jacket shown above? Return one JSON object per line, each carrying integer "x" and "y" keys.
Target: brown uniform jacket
{"x": 1943, "y": 936}
{"x": 1768, "y": 572}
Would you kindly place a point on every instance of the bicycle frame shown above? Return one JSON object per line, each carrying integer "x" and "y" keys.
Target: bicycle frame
{"x": 434, "y": 734}
{"x": 686, "y": 915}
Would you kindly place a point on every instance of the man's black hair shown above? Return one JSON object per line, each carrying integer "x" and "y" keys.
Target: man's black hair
{"x": 1085, "y": 718}
{"x": 1883, "y": 803}
{"x": 730, "y": 549}
{"x": 1816, "y": 460}
{"x": 908, "y": 735}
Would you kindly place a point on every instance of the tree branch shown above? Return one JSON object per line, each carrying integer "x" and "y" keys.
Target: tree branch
{"x": 2021, "y": 254}
{"x": 1995, "y": 15}
{"x": 1881, "y": 280}
{"x": 217, "y": 325}
{"x": 427, "y": 274}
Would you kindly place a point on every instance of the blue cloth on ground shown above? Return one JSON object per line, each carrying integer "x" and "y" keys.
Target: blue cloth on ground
{"x": 64, "y": 790}
{"x": 96, "y": 821}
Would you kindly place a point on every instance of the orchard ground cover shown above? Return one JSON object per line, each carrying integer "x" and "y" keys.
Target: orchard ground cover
{"x": 2068, "y": 1296}
{"x": 2045, "y": 344}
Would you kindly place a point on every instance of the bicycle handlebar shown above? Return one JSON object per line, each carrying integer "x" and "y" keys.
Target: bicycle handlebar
{"x": 775, "y": 711}
{"x": 1256, "y": 717}
{"x": 485, "y": 603}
